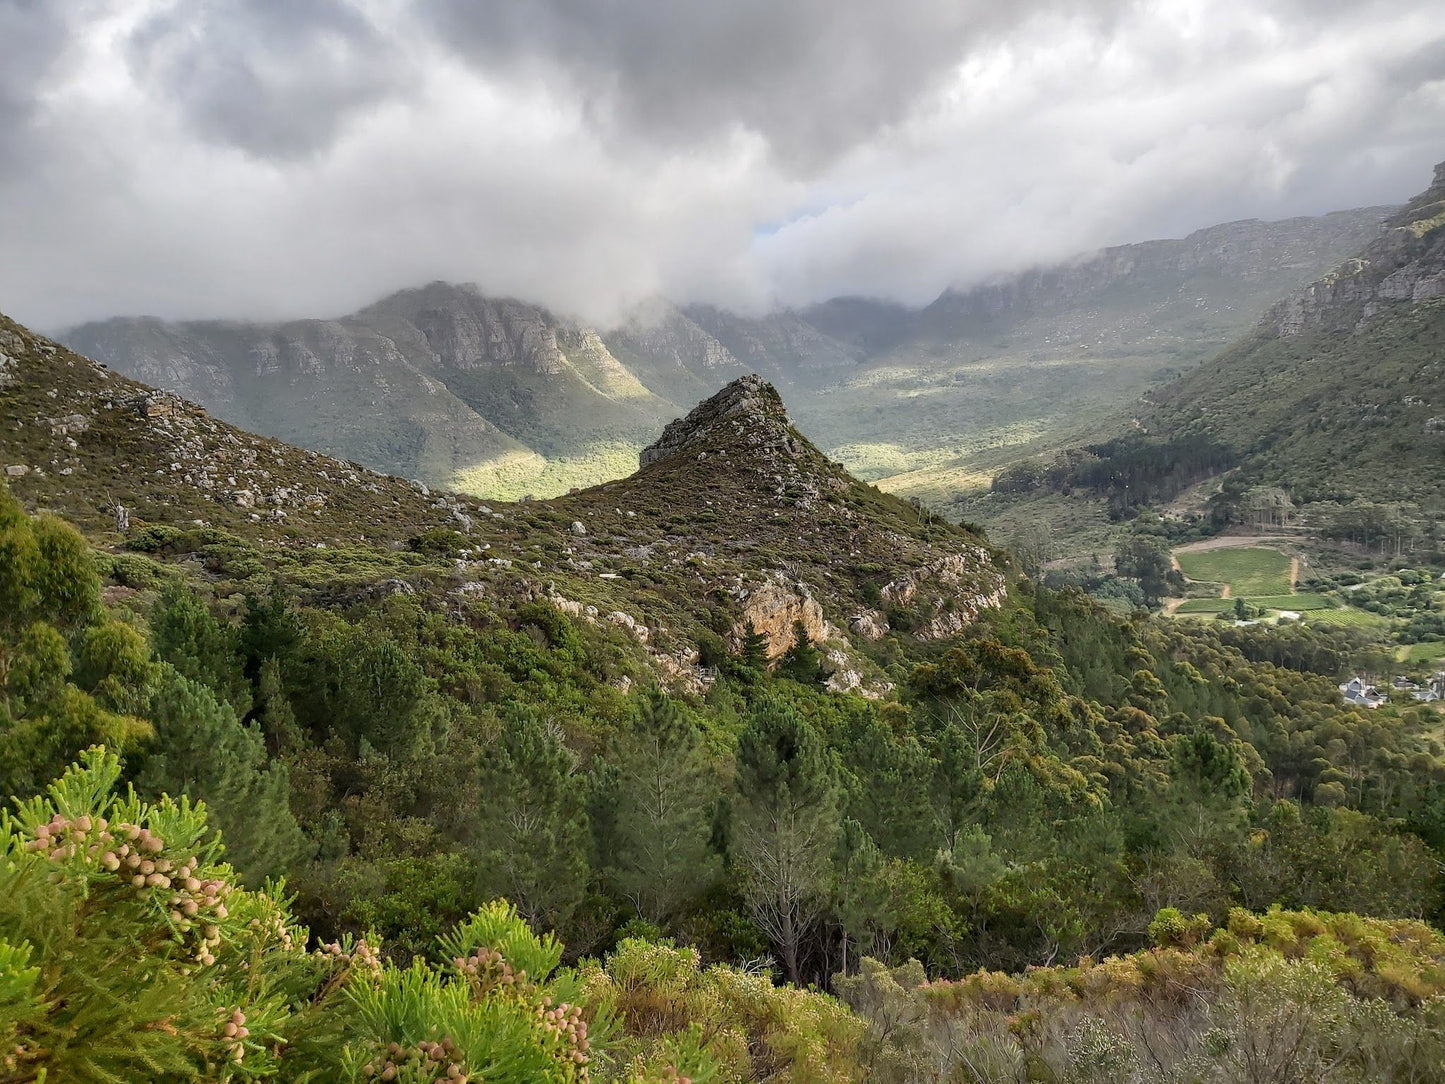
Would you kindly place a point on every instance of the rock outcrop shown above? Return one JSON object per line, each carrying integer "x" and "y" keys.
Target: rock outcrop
{"x": 948, "y": 594}
{"x": 774, "y": 607}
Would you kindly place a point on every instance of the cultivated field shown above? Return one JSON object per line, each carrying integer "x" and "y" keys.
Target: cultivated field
{"x": 1348, "y": 617}
{"x": 1205, "y": 606}
{"x": 1302, "y": 602}
{"x": 1249, "y": 572}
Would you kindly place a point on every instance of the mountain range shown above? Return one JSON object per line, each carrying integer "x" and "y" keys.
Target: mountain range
{"x": 502, "y": 398}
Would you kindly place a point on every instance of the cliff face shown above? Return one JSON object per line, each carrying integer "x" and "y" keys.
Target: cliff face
{"x": 1159, "y": 272}
{"x": 782, "y": 345}
{"x": 429, "y": 383}
{"x": 1404, "y": 264}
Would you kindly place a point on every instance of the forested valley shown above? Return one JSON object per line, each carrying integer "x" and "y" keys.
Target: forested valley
{"x": 257, "y": 838}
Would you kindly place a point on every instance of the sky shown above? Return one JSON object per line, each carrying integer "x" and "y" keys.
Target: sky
{"x": 283, "y": 158}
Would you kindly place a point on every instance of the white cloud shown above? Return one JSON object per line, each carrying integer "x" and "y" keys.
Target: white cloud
{"x": 765, "y": 155}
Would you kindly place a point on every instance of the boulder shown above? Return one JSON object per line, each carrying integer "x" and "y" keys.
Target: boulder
{"x": 870, "y": 625}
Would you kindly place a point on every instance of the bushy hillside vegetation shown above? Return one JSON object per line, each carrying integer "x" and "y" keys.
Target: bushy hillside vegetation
{"x": 109, "y": 972}
{"x": 1036, "y": 791}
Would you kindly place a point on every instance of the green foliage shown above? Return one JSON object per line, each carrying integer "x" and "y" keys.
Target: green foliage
{"x": 1040, "y": 788}
{"x": 1250, "y": 570}
{"x": 138, "y": 980}
{"x": 1298, "y": 996}
{"x": 753, "y": 651}
{"x": 181, "y": 975}
{"x": 661, "y": 807}
{"x": 497, "y": 927}
{"x": 1172, "y": 929}
{"x": 199, "y": 748}
{"x": 802, "y": 661}
{"x": 530, "y": 829}
{"x": 185, "y": 634}
{"x": 720, "y": 1023}
{"x": 1146, "y": 560}
{"x": 784, "y": 820}
{"x": 69, "y": 677}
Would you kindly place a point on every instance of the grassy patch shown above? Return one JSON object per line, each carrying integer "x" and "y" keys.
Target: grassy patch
{"x": 1426, "y": 654}
{"x": 1302, "y": 602}
{"x": 513, "y": 476}
{"x": 1205, "y": 606}
{"x": 1250, "y": 571}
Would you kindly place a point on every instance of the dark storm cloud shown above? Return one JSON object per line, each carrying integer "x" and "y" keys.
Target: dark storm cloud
{"x": 301, "y": 157}
{"x": 812, "y": 76}
{"x": 275, "y": 78}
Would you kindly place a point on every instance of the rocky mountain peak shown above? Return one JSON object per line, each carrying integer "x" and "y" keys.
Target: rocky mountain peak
{"x": 748, "y": 408}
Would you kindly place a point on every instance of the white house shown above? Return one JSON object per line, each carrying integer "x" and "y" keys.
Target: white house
{"x": 1361, "y": 694}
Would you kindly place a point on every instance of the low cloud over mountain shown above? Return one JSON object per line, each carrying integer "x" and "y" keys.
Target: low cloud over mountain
{"x": 268, "y": 160}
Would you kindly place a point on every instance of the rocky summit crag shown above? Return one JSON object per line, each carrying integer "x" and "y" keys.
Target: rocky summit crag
{"x": 734, "y": 520}
{"x": 851, "y": 563}
{"x": 1406, "y": 263}
{"x": 748, "y": 407}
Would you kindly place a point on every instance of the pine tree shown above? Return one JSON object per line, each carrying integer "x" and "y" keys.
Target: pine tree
{"x": 187, "y": 635}
{"x": 273, "y": 712}
{"x": 530, "y": 832}
{"x": 801, "y": 661}
{"x": 753, "y": 651}
{"x": 202, "y": 750}
{"x": 664, "y": 791}
{"x": 861, "y": 891}
{"x": 269, "y": 630}
{"x": 888, "y": 786}
{"x": 784, "y": 824}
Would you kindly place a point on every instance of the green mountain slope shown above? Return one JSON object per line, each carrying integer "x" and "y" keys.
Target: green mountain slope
{"x": 1340, "y": 391}
{"x": 439, "y": 384}
{"x": 1035, "y": 360}
{"x": 1332, "y": 405}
